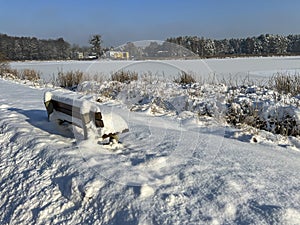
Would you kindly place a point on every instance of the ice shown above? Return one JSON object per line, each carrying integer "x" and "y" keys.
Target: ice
{"x": 256, "y": 68}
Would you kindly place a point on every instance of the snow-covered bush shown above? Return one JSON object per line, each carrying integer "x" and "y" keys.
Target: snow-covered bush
{"x": 255, "y": 106}
{"x": 110, "y": 89}
{"x": 264, "y": 109}
{"x": 105, "y": 90}
{"x": 283, "y": 120}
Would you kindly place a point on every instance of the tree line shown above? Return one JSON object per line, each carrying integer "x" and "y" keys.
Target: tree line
{"x": 31, "y": 48}
{"x": 263, "y": 45}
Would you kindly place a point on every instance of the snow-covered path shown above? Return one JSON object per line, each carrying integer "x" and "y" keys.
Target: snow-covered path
{"x": 170, "y": 172}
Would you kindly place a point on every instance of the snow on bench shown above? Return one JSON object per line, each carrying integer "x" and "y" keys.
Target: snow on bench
{"x": 73, "y": 108}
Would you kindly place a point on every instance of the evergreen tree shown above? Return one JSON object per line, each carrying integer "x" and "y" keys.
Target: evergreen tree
{"x": 261, "y": 45}
{"x": 96, "y": 42}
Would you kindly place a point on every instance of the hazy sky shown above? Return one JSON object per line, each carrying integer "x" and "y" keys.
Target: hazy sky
{"x": 120, "y": 21}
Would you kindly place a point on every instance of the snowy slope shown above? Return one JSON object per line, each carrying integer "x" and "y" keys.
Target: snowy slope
{"x": 170, "y": 171}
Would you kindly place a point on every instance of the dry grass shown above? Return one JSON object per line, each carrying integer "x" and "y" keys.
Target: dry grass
{"x": 124, "y": 76}
{"x": 286, "y": 83}
{"x": 69, "y": 79}
{"x": 29, "y": 74}
{"x": 4, "y": 66}
{"x": 7, "y": 72}
{"x": 185, "y": 78}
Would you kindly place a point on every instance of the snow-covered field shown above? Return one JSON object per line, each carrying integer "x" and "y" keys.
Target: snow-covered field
{"x": 175, "y": 167}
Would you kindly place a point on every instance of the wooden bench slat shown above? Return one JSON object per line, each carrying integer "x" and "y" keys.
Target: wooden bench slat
{"x": 75, "y": 112}
{"x": 98, "y": 119}
{"x": 65, "y": 108}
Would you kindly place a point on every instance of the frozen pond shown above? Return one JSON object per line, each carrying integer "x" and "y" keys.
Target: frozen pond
{"x": 234, "y": 68}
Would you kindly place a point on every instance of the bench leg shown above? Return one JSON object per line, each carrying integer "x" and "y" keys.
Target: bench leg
{"x": 49, "y": 108}
{"x": 85, "y": 132}
{"x": 85, "y": 120}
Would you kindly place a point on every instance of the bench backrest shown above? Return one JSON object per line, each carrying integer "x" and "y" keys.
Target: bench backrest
{"x": 75, "y": 111}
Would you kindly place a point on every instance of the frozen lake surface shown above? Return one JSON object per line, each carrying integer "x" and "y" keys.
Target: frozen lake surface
{"x": 256, "y": 68}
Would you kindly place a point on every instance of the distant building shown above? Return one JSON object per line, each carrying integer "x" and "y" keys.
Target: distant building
{"x": 85, "y": 56}
{"x": 79, "y": 55}
{"x": 117, "y": 55}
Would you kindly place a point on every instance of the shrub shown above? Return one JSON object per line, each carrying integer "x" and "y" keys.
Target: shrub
{"x": 260, "y": 113}
{"x": 29, "y": 74}
{"x": 185, "y": 78}
{"x": 4, "y": 66}
{"x": 9, "y": 73}
{"x": 69, "y": 79}
{"x": 282, "y": 120}
{"x": 285, "y": 83}
{"x": 5, "y": 70}
{"x": 244, "y": 113}
{"x": 124, "y": 76}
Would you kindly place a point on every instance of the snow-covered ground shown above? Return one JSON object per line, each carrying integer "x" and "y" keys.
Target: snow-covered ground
{"x": 175, "y": 167}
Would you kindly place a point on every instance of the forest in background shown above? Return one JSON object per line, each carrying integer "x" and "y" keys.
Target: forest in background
{"x": 263, "y": 45}
{"x": 31, "y": 48}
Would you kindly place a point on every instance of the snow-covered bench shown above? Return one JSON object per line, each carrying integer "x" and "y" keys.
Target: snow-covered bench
{"x": 73, "y": 108}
